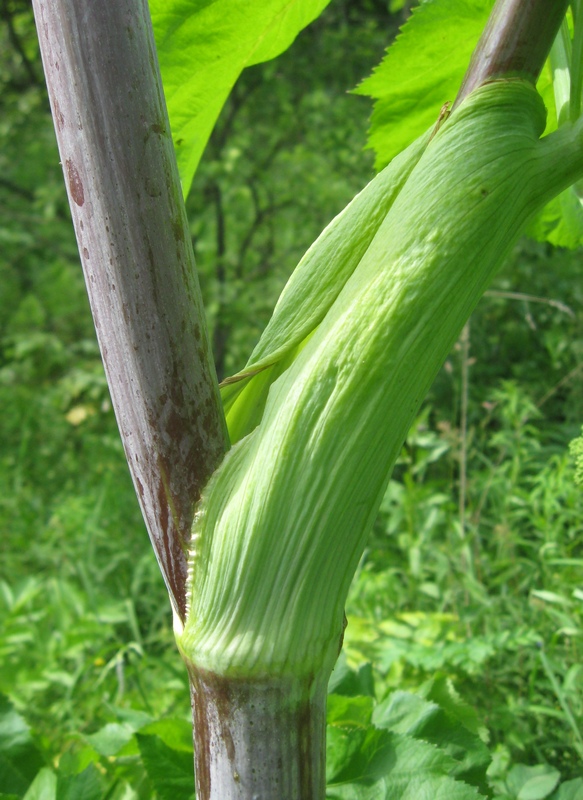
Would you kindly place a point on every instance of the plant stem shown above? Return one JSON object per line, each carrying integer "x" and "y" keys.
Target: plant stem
{"x": 515, "y": 42}
{"x": 126, "y": 201}
{"x": 259, "y": 738}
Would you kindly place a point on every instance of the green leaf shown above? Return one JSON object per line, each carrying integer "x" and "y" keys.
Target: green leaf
{"x": 72, "y": 762}
{"x": 532, "y": 783}
{"x": 355, "y": 755}
{"x": 550, "y": 597}
{"x": 441, "y": 690}
{"x": 418, "y": 788}
{"x": 44, "y": 786}
{"x": 409, "y": 714}
{"x": 349, "y": 711}
{"x": 110, "y": 739}
{"x": 570, "y": 790}
{"x": 404, "y": 712}
{"x": 88, "y": 785}
{"x": 20, "y": 759}
{"x": 349, "y": 682}
{"x": 14, "y": 731}
{"x": 204, "y": 46}
{"x": 561, "y": 221}
{"x": 175, "y": 733}
{"x": 421, "y": 72}
{"x": 170, "y": 771}
{"x": 378, "y": 764}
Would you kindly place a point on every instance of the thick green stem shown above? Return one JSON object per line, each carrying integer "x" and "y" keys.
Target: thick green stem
{"x": 515, "y": 42}
{"x": 126, "y": 201}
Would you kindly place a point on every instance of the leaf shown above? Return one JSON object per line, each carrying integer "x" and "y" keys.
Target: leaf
{"x": 20, "y": 759}
{"x": 356, "y": 755}
{"x": 409, "y": 714}
{"x": 170, "y": 771}
{"x": 432, "y": 788}
{"x": 204, "y": 46}
{"x": 532, "y": 783}
{"x": 87, "y": 785}
{"x": 441, "y": 690}
{"x": 175, "y": 733}
{"x": 570, "y": 790}
{"x": 349, "y": 711}
{"x": 561, "y": 221}
{"x": 110, "y": 739}
{"x": 421, "y": 71}
{"x": 14, "y": 731}
{"x": 349, "y": 682}
{"x": 44, "y": 786}
{"x": 550, "y": 597}
{"x": 381, "y": 765}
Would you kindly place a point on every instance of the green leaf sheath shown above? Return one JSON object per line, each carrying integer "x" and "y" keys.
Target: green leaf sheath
{"x": 204, "y": 46}
{"x": 282, "y": 523}
{"x": 312, "y": 289}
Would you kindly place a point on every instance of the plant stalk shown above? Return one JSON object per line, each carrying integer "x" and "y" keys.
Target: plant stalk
{"x": 126, "y": 202}
{"x": 515, "y": 42}
{"x": 261, "y": 738}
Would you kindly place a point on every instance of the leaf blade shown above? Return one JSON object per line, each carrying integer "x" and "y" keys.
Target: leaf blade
{"x": 204, "y": 46}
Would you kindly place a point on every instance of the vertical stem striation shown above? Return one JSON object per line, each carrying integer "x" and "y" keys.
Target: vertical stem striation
{"x": 126, "y": 201}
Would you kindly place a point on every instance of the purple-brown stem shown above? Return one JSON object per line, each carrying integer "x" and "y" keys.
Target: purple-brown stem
{"x": 515, "y": 42}
{"x": 126, "y": 202}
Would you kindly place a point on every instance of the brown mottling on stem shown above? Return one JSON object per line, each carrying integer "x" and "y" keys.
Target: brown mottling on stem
{"x": 261, "y": 736}
{"x": 178, "y": 229}
{"x": 58, "y": 114}
{"x": 74, "y": 182}
{"x": 136, "y": 253}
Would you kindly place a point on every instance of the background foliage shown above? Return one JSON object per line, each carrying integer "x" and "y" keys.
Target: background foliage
{"x": 468, "y": 601}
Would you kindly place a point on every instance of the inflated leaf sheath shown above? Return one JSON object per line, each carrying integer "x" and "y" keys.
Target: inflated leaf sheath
{"x": 283, "y": 522}
{"x": 312, "y": 289}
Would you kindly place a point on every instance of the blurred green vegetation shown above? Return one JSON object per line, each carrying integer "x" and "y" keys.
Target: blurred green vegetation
{"x": 473, "y": 573}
